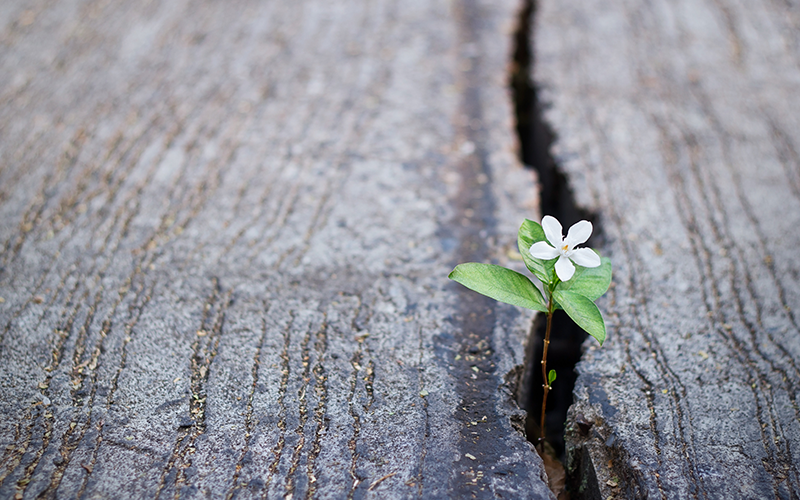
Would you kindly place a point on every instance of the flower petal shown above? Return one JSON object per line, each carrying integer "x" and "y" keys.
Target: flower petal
{"x": 553, "y": 230}
{"x": 579, "y": 233}
{"x": 541, "y": 250}
{"x": 564, "y": 268}
{"x": 585, "y": 257}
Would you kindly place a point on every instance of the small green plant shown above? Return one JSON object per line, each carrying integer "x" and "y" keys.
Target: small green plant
{"x": 572, "y": 279}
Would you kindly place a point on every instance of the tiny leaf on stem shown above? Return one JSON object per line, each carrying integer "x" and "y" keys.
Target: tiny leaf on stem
{"x": 583, "y": 312}
{"x": 551, "y": 377}
{"x": 500, "y": 284}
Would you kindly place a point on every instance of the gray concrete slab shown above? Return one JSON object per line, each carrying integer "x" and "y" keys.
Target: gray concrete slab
{"x": 226, "y": 229}
{"x": 677, "y": 122}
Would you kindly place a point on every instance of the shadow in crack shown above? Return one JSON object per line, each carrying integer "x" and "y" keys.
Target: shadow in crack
{"x": 535, "y": 138}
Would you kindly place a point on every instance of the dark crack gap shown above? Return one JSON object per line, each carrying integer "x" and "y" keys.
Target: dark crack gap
{"x": 556, "y": 199}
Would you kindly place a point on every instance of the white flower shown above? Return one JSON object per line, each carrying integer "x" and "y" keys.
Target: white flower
{"x": 564, "y": 248}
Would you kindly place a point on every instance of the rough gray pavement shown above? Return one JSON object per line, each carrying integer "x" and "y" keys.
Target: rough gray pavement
{"x": 226, "y": 229}
{"x": 677, "y": 123}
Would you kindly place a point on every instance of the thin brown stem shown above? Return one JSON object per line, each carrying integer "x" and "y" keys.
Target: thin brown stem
{"x": 546, "y": 384}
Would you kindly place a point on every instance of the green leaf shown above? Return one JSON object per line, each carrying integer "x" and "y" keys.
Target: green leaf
{"x": 583, "y": 312}
{"x": 500, "y": 284}
{"x": 529, "y": 233}
{"x": 551, "y": 377}
{"x": 591, "y": 282}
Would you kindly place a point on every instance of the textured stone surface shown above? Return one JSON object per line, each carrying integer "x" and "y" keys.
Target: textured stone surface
{"x": 225, "y": 231}
{"x": 677, "y": 122}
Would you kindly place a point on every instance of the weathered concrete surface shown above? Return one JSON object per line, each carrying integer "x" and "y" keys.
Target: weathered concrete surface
{"x": 677, "y": 122}
{"x": 225, "y": 231}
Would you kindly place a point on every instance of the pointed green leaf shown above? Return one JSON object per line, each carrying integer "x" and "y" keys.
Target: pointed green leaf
{"x": 500, "y": 284}
{"x": 583, "y": 312}
{"x": 529, "y": 233}
{"x": 551, "y": 377}
{"x": 591, "y": 282}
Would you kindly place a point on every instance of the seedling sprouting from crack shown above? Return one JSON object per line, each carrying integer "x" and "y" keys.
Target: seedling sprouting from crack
{"x": 551, "y": 258}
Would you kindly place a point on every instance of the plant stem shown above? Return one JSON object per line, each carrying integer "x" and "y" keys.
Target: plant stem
{"x": 546, "y": 384}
